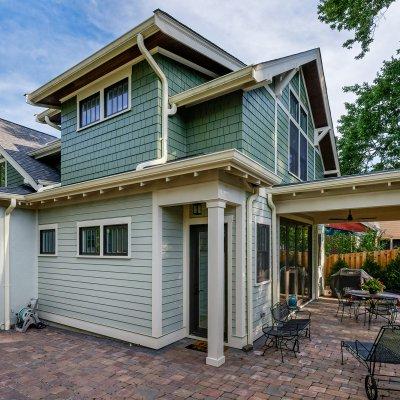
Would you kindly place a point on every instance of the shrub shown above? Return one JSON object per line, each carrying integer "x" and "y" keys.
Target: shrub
{"x": 391, "y": 275}
{"x": 372, "y": 267}
{"x": 338, "y": 265}
{"x": 373, "y": 286}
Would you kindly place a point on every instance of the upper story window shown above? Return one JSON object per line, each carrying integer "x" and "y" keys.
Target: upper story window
{"x": 105, "y": 98}
{"x": 89, "y": 110}
{"x": 48, "y": 240}
{"x": 298, "y": 143}
{"x": 116, "y": 98}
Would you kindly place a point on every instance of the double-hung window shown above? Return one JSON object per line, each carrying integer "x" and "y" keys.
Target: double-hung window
{"x": 109, "y": 238}
{"x": 263, "y": 253}
{"x": 116, "y": 98}
{"x": 298, "y": 144}
{"x": 104, "y": 99}
{"x": 89, "y": 110}
{"x": 48, "y": 240}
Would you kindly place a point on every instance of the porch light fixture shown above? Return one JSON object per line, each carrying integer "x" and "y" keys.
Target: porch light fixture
{"x": 197, "y": 209}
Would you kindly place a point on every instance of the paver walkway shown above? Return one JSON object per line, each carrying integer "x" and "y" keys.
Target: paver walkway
{"x": 59, "y": 364}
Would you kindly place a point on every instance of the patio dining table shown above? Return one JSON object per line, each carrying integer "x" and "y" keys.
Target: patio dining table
{"x": 365, "y": 295}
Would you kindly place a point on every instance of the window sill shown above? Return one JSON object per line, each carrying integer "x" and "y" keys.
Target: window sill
{"x": 48, "y": 255}
{"x": 263, "y": 283}
{"x": 105, "y": 257}
{"x": 103, "y": 119}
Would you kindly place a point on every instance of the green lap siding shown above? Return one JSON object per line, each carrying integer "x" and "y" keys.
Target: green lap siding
{"x": 14, "y": 178}
{"x": 172, "y": 269}
{"x": 111, "y": 292}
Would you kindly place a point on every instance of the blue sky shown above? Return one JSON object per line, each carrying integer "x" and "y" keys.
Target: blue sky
{"x": 41, "y": 39}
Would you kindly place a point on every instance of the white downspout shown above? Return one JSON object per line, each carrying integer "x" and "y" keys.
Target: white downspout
{"x": 249, "y": 269}
{"x": 165, "y": 109}
{"x": 274, "y": 246}
{"x": 52, "y": 124}
{"x": 7, "y": 216}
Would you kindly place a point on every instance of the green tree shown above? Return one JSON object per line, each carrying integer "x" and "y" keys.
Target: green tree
{"x": 370, "y": 131}
{"x": 360, "y": 16}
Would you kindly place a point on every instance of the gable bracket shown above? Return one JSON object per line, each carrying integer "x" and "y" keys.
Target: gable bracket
{"x": 283, "y": 80}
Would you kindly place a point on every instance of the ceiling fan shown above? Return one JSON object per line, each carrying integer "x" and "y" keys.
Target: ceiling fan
{"x": 350, "y": 218}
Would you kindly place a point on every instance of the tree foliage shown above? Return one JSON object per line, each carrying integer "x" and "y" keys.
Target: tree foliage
{"x": 360, "y": 16}
{"x": 370, "y": 131}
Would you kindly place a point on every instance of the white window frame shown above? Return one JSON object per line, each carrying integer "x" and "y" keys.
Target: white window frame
{"x": 301, "y": 132}
{"x": 262, "y": 221}
{"x": 44, "y": 228}
{"x": 101, "y": 223}
{"x": 100, "y": 87}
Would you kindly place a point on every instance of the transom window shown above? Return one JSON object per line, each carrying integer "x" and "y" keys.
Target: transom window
{"x": 298, "y": 145}
{"x": 48, "y": 240}
{"x": 263, "y": 253}
{"x": 116, "y": 98}
{"x": 104, "y": 238}
{"x": 89, "y": 110}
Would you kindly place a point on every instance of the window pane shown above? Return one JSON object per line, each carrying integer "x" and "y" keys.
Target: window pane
{"x": 303, "y": 157}
{"x": 263, "y": 253}
{"x": 89, "y": 240}
{"x": 294, "y": 107}
{"x": 294, "y": 149}
{"x": 303, "y": 120}
{"x": 117, "y": 97}
{"x": 116, "y": 240}
{"x": 48, "y": 241}
{"x": 89, "y": 110}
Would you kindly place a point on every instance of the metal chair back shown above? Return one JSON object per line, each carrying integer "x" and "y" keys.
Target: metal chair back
{"x": 280, "y": 312}
{"x": 386, "y": 348}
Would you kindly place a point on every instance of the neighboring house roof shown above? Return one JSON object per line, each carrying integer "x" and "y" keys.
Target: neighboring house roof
{"x": 22, "y": 189}
{"x": 389, "y": 229}
{"x": 16, "y": 143}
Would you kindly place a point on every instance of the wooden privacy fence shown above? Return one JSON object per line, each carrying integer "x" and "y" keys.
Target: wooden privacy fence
{"x": 356, "y": 260}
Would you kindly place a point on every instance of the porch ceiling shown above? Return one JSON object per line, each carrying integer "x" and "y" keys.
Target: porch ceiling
{"x": 375, "y": 196}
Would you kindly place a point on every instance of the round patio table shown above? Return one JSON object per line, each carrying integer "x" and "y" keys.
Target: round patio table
{"x": 365, "y": 295}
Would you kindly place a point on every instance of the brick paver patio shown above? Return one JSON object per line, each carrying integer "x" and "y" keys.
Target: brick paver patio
{"x": 58, "y": 364}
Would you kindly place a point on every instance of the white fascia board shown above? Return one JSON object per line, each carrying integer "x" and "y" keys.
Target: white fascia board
{"x": 216, "y": 87}
{"x": 27, "y": 178}
{"x": 51, "y": 148}
{"x": 338, "y": 183}
{"x": 185, "y": 35}
{"x": 196, "y": 164}
{"x": 50, "y": 112}
{"x": 147, "y": 28}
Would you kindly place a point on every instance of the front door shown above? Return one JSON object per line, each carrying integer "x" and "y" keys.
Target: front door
{"x": 199, "y": 280}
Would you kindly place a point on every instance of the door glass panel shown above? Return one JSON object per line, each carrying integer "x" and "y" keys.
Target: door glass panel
{"x": 295, "y": 260}
{"x": 203, "y": 279}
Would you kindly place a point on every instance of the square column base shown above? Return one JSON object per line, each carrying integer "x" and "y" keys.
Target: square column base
{"x": 215, "y": 362}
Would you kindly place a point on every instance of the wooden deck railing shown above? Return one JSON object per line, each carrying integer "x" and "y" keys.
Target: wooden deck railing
{"x": 356, "y": 260}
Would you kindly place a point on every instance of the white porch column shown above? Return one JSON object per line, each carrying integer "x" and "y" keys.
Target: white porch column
{"x": 216, "y": 284}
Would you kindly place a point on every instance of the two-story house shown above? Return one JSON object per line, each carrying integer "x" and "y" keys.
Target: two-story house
{"x": 152, "y": 218}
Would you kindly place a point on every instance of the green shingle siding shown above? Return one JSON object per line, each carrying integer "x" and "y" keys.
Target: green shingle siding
{"x": 118, "y": 144}
{"x": 259, "y": 126}
{"x": 14, "y": 178}
{"x": 319, "y": 169}
{"x": 215, "y": 125}
{"x": 111, "y": 292}
{"x": 294, "y": 82}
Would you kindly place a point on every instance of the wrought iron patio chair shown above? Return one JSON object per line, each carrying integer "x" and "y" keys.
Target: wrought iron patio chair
{"x": 291, "y": 318}
{"x": 382, "y": 308}
{"x": 343, "y": 303}
{"x": 282, "y": 338}
{"x": 385, "y": 350}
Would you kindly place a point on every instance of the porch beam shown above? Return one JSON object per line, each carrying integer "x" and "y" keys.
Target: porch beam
{"x": 216, "y": 284}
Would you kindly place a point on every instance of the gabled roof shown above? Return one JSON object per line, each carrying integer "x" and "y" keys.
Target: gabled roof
{"x": 263, "y": 74}
{"x": 159, "y": 30}
{"x": 16, "y": 142}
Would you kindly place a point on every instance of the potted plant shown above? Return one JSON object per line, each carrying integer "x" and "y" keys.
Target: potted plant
{"x": 373, "y": 286}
